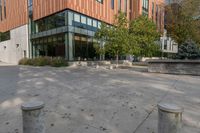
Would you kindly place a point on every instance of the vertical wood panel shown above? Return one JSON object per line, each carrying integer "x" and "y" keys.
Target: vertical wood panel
{"x": 16, "y": 15}
{"x": 17, "y": 11}
{"x": 88, "y": 7}
{"x": 137, "y": 10}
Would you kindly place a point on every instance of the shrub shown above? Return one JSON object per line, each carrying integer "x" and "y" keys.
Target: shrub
{"x": 58, "y": 62}
{"x": 22, "y": 61}
{"x": 25, "y": 61}
{"x": 188, "y": 50}
{"x": 44, "y": 61}
{"x": 41, "y": 61}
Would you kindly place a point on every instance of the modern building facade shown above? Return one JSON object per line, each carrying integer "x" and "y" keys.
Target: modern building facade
{"x": 64, "y": 28}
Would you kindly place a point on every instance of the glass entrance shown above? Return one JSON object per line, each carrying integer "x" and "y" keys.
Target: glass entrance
{"x": 53, "y": 46}
{"x": 84, "y": 49}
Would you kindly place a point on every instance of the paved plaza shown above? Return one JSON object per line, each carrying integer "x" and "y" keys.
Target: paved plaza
{"x": 90, "y": 100}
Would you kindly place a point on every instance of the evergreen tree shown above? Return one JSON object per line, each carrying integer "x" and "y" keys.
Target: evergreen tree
{"x": 188, "y": 50}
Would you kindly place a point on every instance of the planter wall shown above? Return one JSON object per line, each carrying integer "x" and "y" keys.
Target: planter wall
{"x": 185, "y": 67}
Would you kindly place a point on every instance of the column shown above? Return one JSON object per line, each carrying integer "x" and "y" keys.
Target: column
{"x": 33, "y": 117}
{"x": 169, "y": 118}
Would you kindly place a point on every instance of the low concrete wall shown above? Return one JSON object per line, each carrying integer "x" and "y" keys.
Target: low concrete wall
{"x": 93, "y": 63}
{"x": 88, "y": 63}
{"x": 143, "y": 59}
{"x": 185, "y": 67}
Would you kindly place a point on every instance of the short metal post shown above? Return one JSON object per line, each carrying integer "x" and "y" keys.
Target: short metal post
{"x": 169, "y": 118}
{"x": 33, "y": 117}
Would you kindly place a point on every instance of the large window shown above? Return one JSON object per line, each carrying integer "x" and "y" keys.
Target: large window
{"x": 145, "y": 7}
{"x": 1, "y": 15}
{"x": 125, "y": 6}
{"x": 77, "y": 17}
{"x": 130, "y": 8}
{"x": 84, "y": 47}
{"x": 119, "y": 5}
{"x": 152, "y": 9}
{"x": 89, "y": 21}
{"x": 83, "y": 19}
{"x": 30, "y": 2}
{"x": 157, "y": 14}
{"x": 94, "y": 23}
{"x": 5, "y": 9}
{"x": 51, "y": 22}
{"x": 65, "y": 18}
{"x": 30, "y": 7}
{"x": 4, "y": 36}
{"x": 52, "y": 46}
{"x": 131, "y": 5}
{"x": 112, "y": 4}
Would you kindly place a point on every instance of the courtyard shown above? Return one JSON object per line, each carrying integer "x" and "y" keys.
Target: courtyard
{"x": 90, "y": 100}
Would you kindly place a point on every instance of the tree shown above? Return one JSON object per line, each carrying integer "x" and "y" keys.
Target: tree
{"x": 102, "y": 36}
{"x": 113, "y": 39}
{"x": 180, "y": 22}
{"x": 143, "y": 36}
{"x": 188, "y": 50}
{"x": 137, "y": 38}
{"x": 190, "y": 7}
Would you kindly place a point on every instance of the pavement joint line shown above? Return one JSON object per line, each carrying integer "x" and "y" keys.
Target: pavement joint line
{"x": 155, "y": 106}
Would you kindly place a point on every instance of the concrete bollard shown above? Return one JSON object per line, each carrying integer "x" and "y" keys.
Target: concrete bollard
{"x": 169, "y": 118}
{"x": 33, "y": 117}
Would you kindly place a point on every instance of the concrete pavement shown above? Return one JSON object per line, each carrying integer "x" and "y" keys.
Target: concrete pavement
{"x": 6, "y": 64}
{"x": 89, "y": 100}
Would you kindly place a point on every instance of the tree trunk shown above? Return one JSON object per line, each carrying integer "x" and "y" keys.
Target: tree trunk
{"x": 117, "y": 60}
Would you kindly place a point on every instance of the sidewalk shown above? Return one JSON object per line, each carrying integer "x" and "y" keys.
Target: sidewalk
{"x": 6, "y": 64}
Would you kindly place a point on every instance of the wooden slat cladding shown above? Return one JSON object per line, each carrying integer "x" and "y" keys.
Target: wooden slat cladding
{"x": 17, "y": 10}
{"x": 137, "y": 10}
{"x": 43, "y": 8}
{"x": 91, "y": 8}
{"x": 16, "y": 15}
